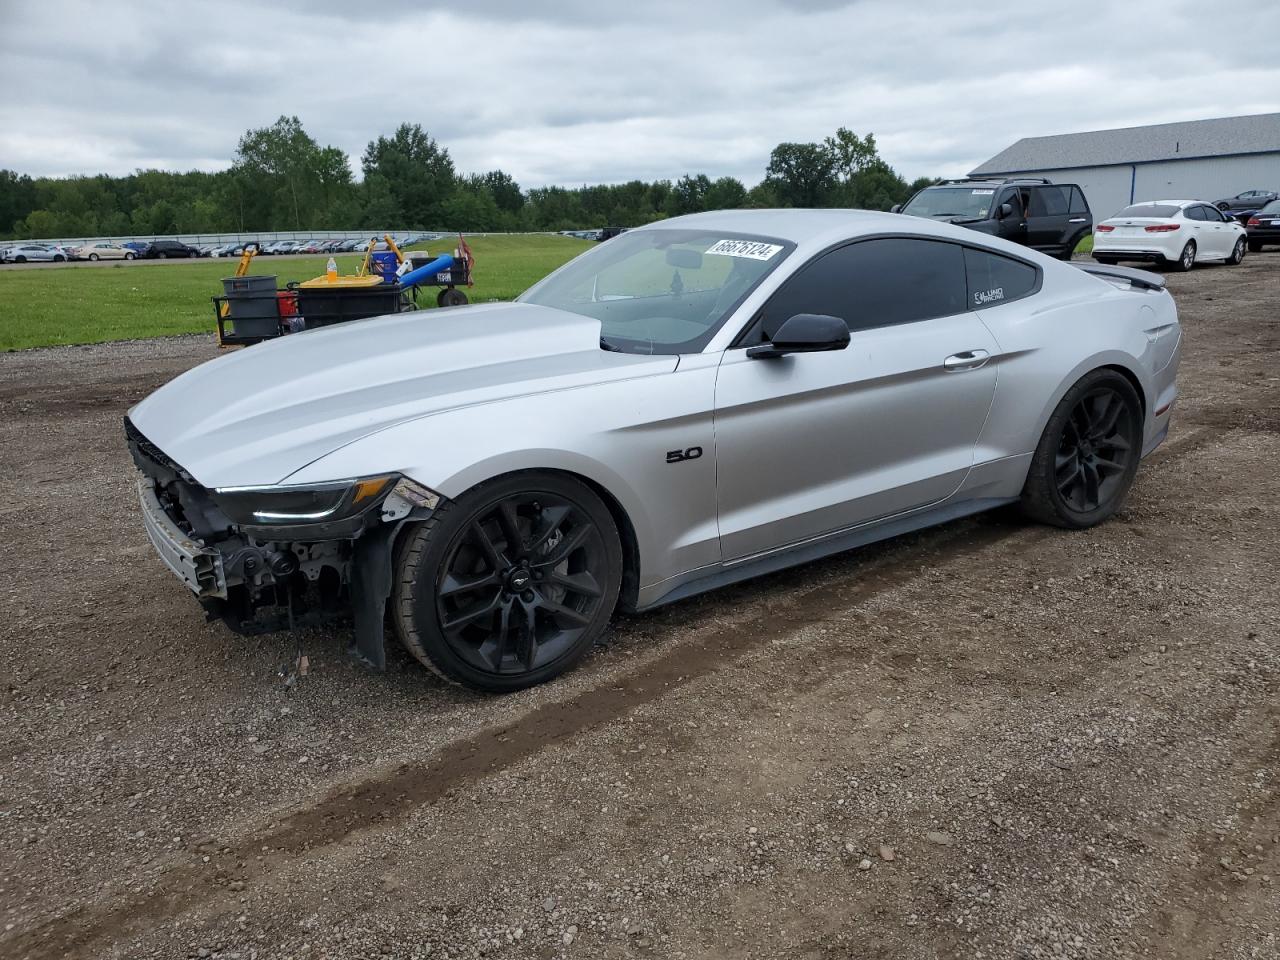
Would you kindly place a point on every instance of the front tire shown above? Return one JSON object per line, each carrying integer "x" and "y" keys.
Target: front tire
{"x": 129, "y": 256}
{"x": 1237, "y": 252}
{"x": 509, "y": 585}
{"x": 1088, "y": 454}
{"x": 450, "y": 297}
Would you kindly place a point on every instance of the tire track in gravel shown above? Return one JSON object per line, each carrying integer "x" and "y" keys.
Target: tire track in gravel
{"x": 388, "y": 798}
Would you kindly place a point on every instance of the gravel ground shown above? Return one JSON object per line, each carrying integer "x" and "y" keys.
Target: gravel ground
{"x": 987, "y": 740}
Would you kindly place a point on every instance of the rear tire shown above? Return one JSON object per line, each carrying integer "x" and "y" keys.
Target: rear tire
{"x": 1186, "y": 259}
{"x": 1088, "y": 454}
{"x": 510, "y": 584}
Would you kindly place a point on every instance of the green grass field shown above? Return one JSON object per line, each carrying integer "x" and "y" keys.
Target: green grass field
{"x": 42, "y": 307}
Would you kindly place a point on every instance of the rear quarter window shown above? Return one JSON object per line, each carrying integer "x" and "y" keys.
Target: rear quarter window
{"x": 994, "y": 279}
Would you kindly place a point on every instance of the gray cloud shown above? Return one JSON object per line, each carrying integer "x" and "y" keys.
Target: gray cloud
{"x": 587, "y": 91}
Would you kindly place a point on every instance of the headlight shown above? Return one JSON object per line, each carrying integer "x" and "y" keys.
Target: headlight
{"x": 313, "y": 503}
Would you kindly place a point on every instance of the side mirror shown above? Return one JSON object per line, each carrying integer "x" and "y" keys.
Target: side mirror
{"x": 896, "y": 208}
{"x": 804, "y": 333}
{"x": 1006, "y": 210}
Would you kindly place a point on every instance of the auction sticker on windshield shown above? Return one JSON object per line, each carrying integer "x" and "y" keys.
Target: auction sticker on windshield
{"x": 750, "y": 249}
{"x": 983, "y": 193}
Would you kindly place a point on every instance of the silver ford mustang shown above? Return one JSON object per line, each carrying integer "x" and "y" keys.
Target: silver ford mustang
{"x": 689, "y": 404}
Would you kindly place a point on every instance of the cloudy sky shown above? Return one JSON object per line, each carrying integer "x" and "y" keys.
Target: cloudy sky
{"x": 588, "y": 91}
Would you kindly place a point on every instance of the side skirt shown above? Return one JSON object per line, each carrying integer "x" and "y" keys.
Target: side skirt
{"x": 725, "y": 574}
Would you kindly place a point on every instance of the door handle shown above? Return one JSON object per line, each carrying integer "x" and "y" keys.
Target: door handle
{"x": 969, "y": 360}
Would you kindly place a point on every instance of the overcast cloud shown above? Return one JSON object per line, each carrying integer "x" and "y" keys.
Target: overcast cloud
{"x": 582, "y": 92}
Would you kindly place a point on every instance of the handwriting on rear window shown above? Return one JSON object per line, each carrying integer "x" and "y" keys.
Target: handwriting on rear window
{"x": 982, "y": 297}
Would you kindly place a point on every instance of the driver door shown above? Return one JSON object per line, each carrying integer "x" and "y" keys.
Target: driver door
{"x": 811, "y": 444}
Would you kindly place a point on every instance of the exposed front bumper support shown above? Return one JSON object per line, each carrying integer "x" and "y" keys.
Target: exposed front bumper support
{"x": 199, "y": 567}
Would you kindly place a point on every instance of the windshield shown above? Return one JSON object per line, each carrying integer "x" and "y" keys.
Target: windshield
{"x": 1272, "y": 207}
{"x": 969, "y": 202}
{"x": 661, "y": 291}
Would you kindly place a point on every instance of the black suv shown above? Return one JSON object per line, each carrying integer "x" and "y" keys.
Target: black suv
{"x": 167, "y": 249}
{"x": 1050, "y": 217}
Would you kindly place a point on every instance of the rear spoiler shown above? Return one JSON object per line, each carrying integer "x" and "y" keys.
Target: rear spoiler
{"x": 1143, "y": 279}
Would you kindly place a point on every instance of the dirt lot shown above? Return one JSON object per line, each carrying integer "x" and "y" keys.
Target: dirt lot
{"x": 990, "y": 740}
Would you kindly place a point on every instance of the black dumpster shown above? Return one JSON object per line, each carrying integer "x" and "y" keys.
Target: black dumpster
{"x": 325, "y": 306}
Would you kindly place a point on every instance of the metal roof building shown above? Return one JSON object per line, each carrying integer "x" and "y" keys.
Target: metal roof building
{"x": 1195, "y": 159}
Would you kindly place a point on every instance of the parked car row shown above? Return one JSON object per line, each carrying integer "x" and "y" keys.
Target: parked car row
{"x": 1054, "y": 217}
{"x": 32, "y": 252}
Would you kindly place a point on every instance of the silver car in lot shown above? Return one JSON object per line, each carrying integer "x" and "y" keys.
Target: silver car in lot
{"x": 693, "y": 403}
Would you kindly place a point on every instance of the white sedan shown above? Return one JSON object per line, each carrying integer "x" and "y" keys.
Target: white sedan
{"x": 105, "y": 250}
{"x": 1176, "y": 233}
{"x": 24, "y": 252}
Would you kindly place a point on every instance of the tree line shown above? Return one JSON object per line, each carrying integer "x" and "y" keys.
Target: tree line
{"x": 282, "y": 179}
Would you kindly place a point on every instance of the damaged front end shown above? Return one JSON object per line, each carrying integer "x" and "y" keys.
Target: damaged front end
{"x": 267, "y": 558}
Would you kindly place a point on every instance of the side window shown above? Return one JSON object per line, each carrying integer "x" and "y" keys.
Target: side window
{"x": 1078, "y": 204}
{"x": 1194, "y": 213}
{"x": 1048, "y": 202}
{"x": 994, "y": 279}
{"x": 873, "y": 283}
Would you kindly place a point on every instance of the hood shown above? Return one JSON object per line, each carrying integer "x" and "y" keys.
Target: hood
{"x": 256, "y": 415}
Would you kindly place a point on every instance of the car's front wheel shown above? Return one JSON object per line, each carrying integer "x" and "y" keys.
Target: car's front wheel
{"x": 129, "y": 256}
{"x": 1088, "y": 454}
{"x": 1237, "y": 252}
{"x": 510, "y": 584}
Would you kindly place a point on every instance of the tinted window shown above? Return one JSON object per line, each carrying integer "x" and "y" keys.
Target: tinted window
{"x": 1272, "y": 207}
{"x": 874, "y": 283}
{"x": 1194, "y": 213}
{"x": 1078, "y": 204}
{"x": 1148, "y": 210}
{"x": 994, "y": 279}
{"x": 1048, "y": 202}
{"x": 1212, "y": 214}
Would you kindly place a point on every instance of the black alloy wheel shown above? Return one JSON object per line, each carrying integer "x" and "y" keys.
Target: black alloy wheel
{"x": 511, "y": 584}
{"x": 1095, "y": 452}
{"x": 1088, "y": 455}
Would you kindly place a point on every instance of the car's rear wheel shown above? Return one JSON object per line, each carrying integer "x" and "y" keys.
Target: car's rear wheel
{"x": 19, "y": 259}
{"x": 1088, "y": 454}
{"x": 510, "y": 584}
{"x": 1186, "y": 259}
{"x": 1237, "y": 252}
